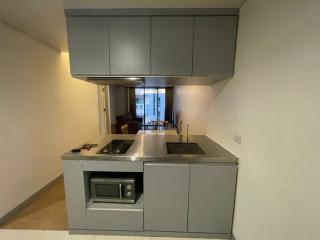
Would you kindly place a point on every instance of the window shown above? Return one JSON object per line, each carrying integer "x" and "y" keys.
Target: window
{"x": 150, "y": 104}
{"x": 139, "y": 102}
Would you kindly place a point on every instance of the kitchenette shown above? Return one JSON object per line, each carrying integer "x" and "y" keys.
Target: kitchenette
{"x": 153, "y": 183}
{"x": 159, "y": 119}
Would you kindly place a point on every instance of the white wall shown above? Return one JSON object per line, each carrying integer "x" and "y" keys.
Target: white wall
{"x": 190, "y": 106}
{"x": 273, "y": 103}
{"x": 43, "y": 113}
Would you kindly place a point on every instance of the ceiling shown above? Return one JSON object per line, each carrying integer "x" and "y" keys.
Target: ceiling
{"x": 44, "y": 20}
{"x": 41, "y": 19}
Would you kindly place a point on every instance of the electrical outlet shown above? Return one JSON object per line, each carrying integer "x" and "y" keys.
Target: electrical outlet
{"x": 237, "y": 139}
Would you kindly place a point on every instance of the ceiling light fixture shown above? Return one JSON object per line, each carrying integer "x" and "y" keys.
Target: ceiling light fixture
{"x": 134, "y": 78}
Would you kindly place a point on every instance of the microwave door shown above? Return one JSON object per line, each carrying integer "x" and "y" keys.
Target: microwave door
{"x": 111, "y": 192}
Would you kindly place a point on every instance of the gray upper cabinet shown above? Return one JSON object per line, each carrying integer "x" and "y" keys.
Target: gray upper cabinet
{"x": 211, "y": 198}
{"x": 214, "y": 45}
{"x": 162, "y": 45}
{"x": 166, "y": 197}
{"x": 88, "y": 45}
{"x": 129, "y": 45}
{"x": 171, "y": 45}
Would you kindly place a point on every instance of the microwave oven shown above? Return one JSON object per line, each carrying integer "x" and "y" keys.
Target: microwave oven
{"x": 115, "y": 187}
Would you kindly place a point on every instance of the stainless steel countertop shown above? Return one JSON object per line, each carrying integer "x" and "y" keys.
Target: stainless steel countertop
{"x": 152, "y": 148}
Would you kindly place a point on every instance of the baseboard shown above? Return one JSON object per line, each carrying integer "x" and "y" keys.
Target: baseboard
{"x": 17, "y": 209}
{"x": 153, "y": 234}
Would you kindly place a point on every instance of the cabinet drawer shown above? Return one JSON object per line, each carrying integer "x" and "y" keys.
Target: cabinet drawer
{"x": 113, "y": 166}
{"x": 115, "y": 219}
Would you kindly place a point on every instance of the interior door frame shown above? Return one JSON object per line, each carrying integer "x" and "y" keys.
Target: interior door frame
{"x": 104, "y": 109}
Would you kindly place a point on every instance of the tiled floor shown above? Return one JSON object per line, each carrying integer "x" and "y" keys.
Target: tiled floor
{"x": 13, "y": 234}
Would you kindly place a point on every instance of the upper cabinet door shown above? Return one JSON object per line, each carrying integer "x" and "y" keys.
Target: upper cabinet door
{"x": 171, "y": 45}
{"x": 129, "y": 45}
{"x": 214, "y": 45}
{"x": 211, "y": 198}
{"x": 88, "y": 45}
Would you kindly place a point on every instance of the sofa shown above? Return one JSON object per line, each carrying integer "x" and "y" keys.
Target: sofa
{"x": 134, "y": 124}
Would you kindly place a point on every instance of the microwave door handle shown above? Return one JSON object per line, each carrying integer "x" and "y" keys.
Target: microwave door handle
{"x": 120, "y": 190}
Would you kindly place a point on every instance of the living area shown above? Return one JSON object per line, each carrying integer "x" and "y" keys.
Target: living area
{"x": 140, "y": 109}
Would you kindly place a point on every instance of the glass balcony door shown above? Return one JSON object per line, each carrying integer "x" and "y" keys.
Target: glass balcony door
{"x": 150, "y": 104}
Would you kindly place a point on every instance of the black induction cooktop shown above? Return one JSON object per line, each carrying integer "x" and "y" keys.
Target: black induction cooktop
{"x": 117, "y": 146}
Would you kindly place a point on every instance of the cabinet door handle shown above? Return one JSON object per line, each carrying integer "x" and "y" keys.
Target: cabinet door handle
{"x": 120, "y": 190}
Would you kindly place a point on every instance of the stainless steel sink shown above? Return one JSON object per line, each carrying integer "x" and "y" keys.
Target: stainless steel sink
{"x": 184, "y": 148}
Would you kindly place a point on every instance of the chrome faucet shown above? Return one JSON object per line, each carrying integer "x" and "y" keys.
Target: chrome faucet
{"x": 180, "y": 133}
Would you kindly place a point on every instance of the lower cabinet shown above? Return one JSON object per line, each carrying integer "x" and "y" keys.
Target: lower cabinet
{"x": 166, "y": 197}
{"x": 177, "y": 197}
{"x": 195, "y": 198}
{"x": 211, "y": 198}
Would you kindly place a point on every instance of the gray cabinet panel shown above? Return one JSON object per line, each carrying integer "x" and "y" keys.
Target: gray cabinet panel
{"x": 211, "y": 198}
{"x": 129, "y": 45}
{"x": 214, "y": 45}
{"x": 88, "y": 45}
{"x": 75, "y": 194}
{"x": 112, "y": 166}
{"x": 115, "y": 219}
{"x": 166, "y": 196}
{"x": 171, "y": 45}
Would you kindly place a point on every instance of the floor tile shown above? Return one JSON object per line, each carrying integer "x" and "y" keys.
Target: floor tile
{"x": 6, "y": 234}
{"x": 173, "y": 238}
{"x": 80, "y": 237}
{"x": 13, "y": 234}
{"x": 53, "y": 235}
{"x": 105, "y": 237}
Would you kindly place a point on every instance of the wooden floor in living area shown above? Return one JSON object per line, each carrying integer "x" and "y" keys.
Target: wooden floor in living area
{"x": 46, "y": 212}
